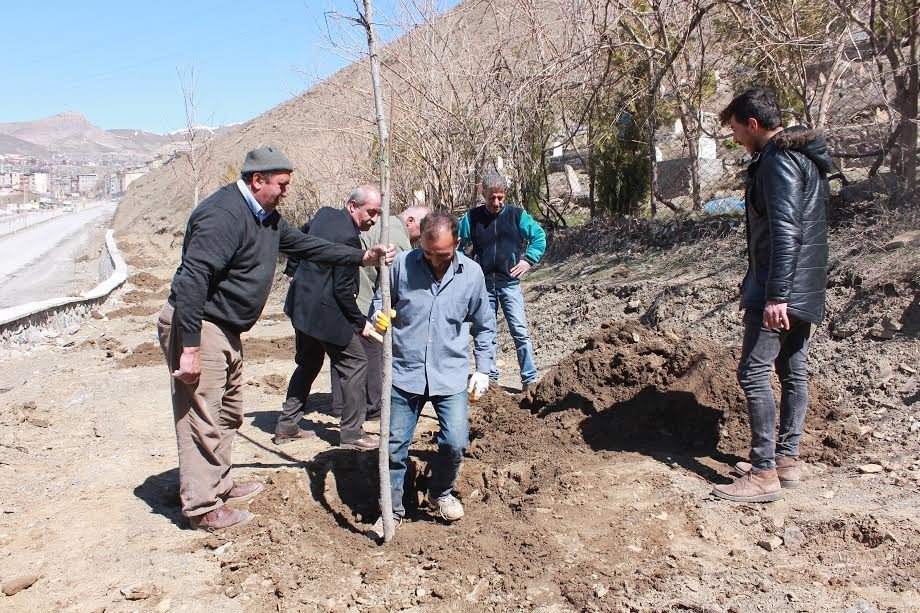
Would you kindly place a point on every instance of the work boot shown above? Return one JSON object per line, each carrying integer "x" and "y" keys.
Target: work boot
{"x": 220, "y": 519}
{"x": 787, "y": 469}
{"x": 376, "y": 532}
{"x": 449, "y": 508}
{"x": 755, "y": 486}
{"x": 366, "y": 442}
{"x": 283, "y": 437}
{"x": 244, "y": 491}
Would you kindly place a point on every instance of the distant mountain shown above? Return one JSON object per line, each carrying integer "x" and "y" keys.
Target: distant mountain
{"x": 12, "y": 145}
{"x": 73, "y": 134}
{"x": 65, "y": 133}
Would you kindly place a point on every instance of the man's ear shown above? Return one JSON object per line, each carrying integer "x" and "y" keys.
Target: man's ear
{"x": 753, "y": 124}
{"x": 457, "y": 244}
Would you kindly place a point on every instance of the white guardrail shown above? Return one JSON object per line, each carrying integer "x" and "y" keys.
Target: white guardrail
{"x": 32, "y": 322}
{"x": 20, "y": 221}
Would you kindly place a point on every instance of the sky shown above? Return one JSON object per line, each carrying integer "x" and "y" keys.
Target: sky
{"x": 118, "y": 63}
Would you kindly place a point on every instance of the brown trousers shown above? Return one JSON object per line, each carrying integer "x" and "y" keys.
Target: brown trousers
{"x": 207, "y": 414}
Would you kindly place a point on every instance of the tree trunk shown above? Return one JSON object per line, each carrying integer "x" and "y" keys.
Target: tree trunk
{"x": 383, "y": 457}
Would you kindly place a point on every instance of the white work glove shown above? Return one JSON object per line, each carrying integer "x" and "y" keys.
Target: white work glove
{"x": 479, "y": 385}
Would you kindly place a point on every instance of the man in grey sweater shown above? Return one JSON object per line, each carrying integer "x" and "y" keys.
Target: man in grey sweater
{"x": 228, "y": 262}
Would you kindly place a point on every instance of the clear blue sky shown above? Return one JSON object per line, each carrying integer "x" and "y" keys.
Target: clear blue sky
{"x": 116, "y": 62}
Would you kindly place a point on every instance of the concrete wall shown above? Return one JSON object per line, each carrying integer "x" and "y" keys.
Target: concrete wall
{"x": 37, "y": 321}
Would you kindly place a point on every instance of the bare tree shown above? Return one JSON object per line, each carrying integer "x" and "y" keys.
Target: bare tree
{"x": 197, "y": 139}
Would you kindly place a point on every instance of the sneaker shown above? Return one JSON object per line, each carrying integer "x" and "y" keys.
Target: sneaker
{"x": 282, "y": 437}
{"x": 449, "y": 508}
{"x": 220, "y": 518}
{"x": 365, "y": 443}
{"x": 787, "y": 469}
{"x": 376, "y": 531}
{"x": 755, "y": 486}
{"x": 244, "y": 491}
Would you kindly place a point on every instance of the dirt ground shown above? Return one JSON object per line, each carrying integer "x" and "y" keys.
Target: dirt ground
{"x": 589, "y": 493}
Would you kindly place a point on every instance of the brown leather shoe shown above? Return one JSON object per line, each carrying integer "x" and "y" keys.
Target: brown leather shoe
{"x": 282, "y": 437}
{"x": 220, "y": 519}
{"x": 242, "y": 492}
{"x": 788, "y": 470}
{"x": 366, "y": 442}
{"x": 755, "y": 486}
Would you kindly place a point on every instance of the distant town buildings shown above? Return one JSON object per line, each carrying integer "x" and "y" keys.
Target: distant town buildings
{"x": 129, "y": 176}
{"x": 86, "y": 183}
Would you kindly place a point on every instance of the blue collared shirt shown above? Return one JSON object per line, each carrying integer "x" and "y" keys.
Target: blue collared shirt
{"x": 254, "y": 205}
{"x": 433, "y": 323}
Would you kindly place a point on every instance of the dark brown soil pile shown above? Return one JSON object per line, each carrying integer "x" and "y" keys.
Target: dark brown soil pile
{"x": 137, "y": 310}
{"x": 261, "y": 349}
{"x": 145, "y": 354}
{"x": 631, "y": 388}
{"x": 145, "y": 280}
{"x": 137, "y": 296}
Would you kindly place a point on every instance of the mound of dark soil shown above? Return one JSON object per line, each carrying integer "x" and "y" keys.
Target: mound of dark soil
{"x": 145, "y": 280}
{"x": 634, "y": 388}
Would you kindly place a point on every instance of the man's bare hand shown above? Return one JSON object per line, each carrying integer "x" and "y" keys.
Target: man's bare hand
{"x": 520, "y": 268}
{"x": 372, "y": 256}
{"x": 775, "y": 316}
{"x": 189, "y": 366}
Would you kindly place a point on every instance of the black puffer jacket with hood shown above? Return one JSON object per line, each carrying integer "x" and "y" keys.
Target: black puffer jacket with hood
{"x": 786, "y": 210}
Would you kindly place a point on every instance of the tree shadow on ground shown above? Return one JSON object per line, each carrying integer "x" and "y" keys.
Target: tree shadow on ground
{"x": 345, "y": 484}
{"x": 669, "y": 426}
{"x": 161, "y": 493}
{"x": 266, "y": 420}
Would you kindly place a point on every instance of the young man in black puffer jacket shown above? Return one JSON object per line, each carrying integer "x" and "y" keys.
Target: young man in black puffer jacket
{"x": 783, "y": 291}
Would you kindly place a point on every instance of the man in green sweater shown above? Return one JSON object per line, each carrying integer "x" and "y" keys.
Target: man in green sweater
{"x": 228, "y": 262}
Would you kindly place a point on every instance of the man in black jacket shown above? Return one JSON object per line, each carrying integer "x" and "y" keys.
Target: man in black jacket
{"x": 321, "y": 303}
{"x": 228, "y": 262}
{"x": 783, "y": 292}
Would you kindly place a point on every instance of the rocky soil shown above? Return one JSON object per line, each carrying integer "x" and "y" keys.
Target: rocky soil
{"x": 589, "y": 493}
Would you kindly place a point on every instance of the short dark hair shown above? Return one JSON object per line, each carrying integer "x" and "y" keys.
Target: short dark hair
{"x": 757, "y": 102}
{"x": 434, "y": 223}
{"x": 247, "y": 176}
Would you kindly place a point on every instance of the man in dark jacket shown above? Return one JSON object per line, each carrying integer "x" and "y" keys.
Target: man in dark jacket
{"x": 228, "y": 262}
{"x": 783, "y": 292}
{"x": 321, "y": 303}
{"x": 506, "y": 242}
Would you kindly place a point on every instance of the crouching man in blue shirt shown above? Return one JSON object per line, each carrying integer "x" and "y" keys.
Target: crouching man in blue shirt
{"x": 439, "y": 296}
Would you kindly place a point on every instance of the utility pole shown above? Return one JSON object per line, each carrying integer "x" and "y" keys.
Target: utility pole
{"x": 383, "y": 455}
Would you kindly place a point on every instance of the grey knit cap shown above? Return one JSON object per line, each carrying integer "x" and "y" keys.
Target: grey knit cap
{"x": 266, "y": 159}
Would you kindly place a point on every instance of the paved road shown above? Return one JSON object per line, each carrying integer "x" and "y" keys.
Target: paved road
{"x": 39, "y": 263}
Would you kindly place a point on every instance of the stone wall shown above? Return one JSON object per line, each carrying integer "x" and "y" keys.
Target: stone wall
{"x": 37, "y": 321}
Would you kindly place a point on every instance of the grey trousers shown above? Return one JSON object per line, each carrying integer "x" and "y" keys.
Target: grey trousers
{"x": 349, "y": 362}
{"x": 374, "y": 352}
{"x": 207, "y": 414}
{"x": 787, "y": 350}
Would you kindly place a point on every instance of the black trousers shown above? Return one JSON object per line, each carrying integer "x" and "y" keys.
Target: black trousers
{"x": 374, "y": 352}
{"x": 349, "y": 362}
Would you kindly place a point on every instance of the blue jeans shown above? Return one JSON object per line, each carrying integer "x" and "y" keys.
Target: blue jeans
{"x": 787, "y": 350}
{"x": 452, "y": 441}
{"x": 512, "y": 302}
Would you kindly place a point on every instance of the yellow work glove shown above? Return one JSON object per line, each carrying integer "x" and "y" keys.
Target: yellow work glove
{"x": 382, "y": 321}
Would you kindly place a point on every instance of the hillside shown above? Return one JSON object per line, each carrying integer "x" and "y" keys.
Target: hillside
{"x": 72, "y": 134}
{"x": 16, "y": 146}
{"x": 327, "y": 131}
{"x": 68, "y": 132}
